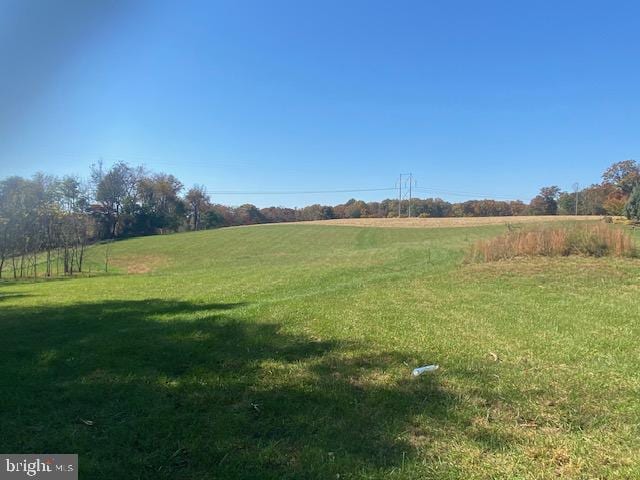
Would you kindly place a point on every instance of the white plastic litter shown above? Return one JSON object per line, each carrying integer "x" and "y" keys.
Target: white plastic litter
{"x": 427, "y": 368}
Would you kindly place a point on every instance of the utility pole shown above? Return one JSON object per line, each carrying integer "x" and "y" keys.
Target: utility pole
{"x": 410, "y": 182}
{"x": 400, "y": 197}
{"x": 576, "y": 187}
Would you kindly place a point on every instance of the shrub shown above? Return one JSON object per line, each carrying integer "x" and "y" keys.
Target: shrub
{"x": 592, "y": 240}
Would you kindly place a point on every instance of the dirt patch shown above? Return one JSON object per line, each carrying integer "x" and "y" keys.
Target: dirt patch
{"x": 138, "y": 264}
{"x": 447, "y": 222}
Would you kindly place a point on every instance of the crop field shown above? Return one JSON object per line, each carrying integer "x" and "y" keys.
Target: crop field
{"x": 286, "y": 351}
{"x": 466, "y": 222}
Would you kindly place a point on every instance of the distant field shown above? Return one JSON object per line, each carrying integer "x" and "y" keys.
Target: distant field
{"x": 285, "y": 352}
{"x": 451, "y": 221}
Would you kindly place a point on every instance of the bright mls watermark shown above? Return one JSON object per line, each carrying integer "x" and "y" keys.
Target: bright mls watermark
{"x": 49, "y": 466}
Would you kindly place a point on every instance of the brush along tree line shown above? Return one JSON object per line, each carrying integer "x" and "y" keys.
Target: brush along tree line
{"x": 46, "y": 222}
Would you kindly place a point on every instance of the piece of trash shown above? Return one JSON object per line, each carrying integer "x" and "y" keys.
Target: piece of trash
{"x": 495, "y": 357}
{"x": 89, "y": 423}
{"x": 427, "y": 368}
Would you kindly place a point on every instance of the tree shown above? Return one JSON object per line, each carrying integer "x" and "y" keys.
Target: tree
{"x": 198, "y": 202}
{"x": 29, "y": 209}
{"x": 278, "y": 214}
{"x": 567, "y": 203}
{"x": 20, "y": 201}
{"x": 615, "y": 203}
{"x": 355, "y": 209}
{"x": 632, "y": 208}
{"x": 4, "y": 242}
{"x": 316, "y": 212}
{"x": 545, "y": 203}
{"x": 73, "y": 196}
{"x": 431, "y": 207}
{"x": 213, "y": 218}
{"x": 592, "y": 199}
{"x": 248, "y": 214}
{"x": 74, "y": 226}
{"x": 159, "y": 207}
{"x": 623, "y": 175}
{"x": 518, "y": 207}
{"x": 5, "y": 228}
{"x": 114, "y": 190}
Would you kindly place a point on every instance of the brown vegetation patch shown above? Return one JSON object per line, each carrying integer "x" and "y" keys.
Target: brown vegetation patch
{"x": 448, "y": 221}
{"x": 138, "y": 264}
{"x": 585, "y": 240}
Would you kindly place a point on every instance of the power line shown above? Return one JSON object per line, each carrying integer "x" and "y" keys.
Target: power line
{"x": 398, "y": 188}
{"x": 295, "y": 192}
{"x": 465, "y": 194}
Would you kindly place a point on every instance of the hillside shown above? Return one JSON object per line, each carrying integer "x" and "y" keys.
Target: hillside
{"x": 286, "y": 351}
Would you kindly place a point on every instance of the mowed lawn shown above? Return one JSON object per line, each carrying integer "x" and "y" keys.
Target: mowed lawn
{"x": 286, "y": 351}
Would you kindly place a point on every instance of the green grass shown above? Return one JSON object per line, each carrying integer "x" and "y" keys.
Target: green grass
{"x": 286, "y": 352}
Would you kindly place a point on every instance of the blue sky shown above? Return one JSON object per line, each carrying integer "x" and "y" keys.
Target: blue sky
{"x": 492, "y": 98}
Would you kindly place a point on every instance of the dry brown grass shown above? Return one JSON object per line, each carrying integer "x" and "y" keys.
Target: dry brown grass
{"x": 138, "y": 264}
{"x": 587, "y": 240}
{"x": 448, "y": 222}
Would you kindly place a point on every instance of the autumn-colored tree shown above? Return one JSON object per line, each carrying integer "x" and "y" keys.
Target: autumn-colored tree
{"x": 278, "y": 214}
{"x": 355, "y": 209}
{"x": 518, "y": 207}
{"x": 623, "y": 175}
{"x": 316, "y": 212}
{"x": 249, "y": 214}
{"x": 615, "y": 203}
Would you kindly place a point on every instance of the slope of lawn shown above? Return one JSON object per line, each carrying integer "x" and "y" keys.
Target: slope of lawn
{"x": 286, "y": 352}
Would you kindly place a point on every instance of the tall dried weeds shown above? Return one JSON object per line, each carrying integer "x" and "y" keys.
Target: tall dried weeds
{"x": 590, "y": 240}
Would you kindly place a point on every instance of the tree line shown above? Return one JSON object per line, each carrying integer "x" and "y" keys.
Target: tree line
{"x": 46, "y": 222}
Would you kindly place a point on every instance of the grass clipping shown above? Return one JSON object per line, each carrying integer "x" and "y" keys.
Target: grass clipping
{"x": 584, "y": 240}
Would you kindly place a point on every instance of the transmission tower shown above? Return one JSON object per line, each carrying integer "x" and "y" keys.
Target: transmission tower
{"x": 407, "y": 182}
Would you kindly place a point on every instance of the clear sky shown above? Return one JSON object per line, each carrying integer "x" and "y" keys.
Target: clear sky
{"x": 496, "y": 98}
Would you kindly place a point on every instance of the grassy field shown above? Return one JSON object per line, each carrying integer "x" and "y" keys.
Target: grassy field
{"x": 286, "y": 352}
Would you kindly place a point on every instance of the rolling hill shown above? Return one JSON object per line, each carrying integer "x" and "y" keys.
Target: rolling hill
{"x": 286, "y": 351}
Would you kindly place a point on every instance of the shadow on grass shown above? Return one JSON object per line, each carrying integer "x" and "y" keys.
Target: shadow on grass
{"x": 7, "y": 280}
{"x": 12, "y": 295}
{"x": 159, "y": 389}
